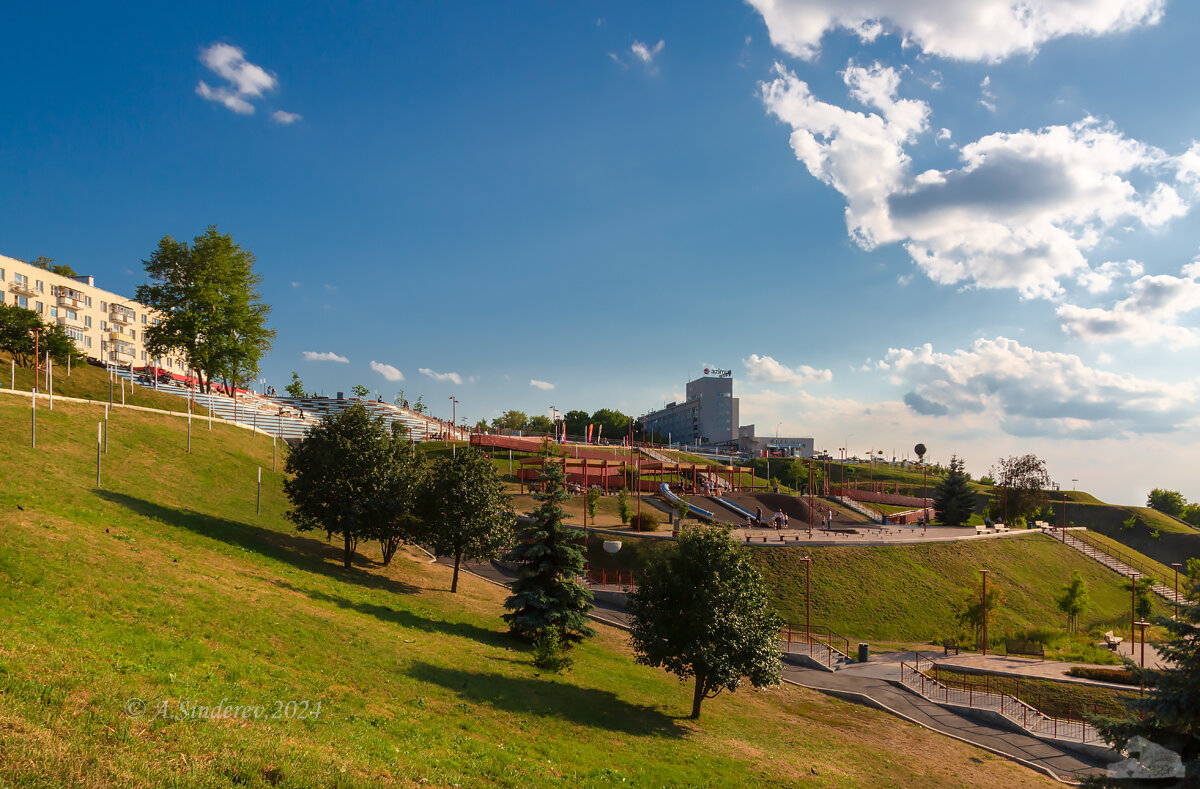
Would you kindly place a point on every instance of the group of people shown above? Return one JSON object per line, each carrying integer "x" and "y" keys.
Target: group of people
{"x": 779, "y": 521}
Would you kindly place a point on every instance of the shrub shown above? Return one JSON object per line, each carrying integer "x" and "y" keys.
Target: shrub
{"x": 549, "y": 653}
{"x": 644, "y": 522}
{"x": 1117, "y": 675}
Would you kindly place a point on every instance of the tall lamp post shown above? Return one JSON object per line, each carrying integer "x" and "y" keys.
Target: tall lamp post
{"x": 453, "y": 419}
{"x": 37, "y": 360}
{"x": 1133, "y": 576}
{"x": 807, "y": 602}
{"x": 920, "y": 450}
{"x": 985, "y": 614}
{"x": 1176, "y": 565}
{"x": 1143, "y": 625}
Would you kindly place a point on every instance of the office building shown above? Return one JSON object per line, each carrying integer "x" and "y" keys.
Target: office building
{"x": 709, "y": 415}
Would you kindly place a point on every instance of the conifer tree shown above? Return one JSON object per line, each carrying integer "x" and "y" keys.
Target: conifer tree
{"x": 953, "y": 500}
{"x": 1169, "y": 712}
{"x": 549, "y": 557}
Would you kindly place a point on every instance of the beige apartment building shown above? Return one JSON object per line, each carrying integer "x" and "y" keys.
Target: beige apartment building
{"x": 105, "y": 326}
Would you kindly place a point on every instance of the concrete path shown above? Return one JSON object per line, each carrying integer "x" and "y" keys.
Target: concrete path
{"x": 872, "y": 683}
{"x": 875, "y": 683}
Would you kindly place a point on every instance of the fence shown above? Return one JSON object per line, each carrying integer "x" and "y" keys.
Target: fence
{"x": 915, "y": 678}
{"x": 625, "y": 579}
{"x": 821, "y": 644}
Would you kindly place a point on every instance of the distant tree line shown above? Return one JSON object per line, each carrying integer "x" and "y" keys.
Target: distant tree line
{"x": 1172, "y": 502}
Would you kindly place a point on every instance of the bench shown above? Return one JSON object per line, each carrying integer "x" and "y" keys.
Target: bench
{"x": 1111, "y": 640}
{"x": 949, "y": 644}
{"x": 983, "y": 530}
{"x": 1025, "y": 649}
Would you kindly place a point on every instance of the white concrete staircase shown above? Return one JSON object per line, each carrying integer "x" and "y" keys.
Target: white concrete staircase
{"x": 1111, "y": 562}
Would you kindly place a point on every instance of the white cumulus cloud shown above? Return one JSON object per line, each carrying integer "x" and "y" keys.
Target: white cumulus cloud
{"x": 1037, "y": 393}
{"x": 974, "y": 30}
{"x": 765, "y": 369}
{"x": 387, "y": 371}
{"x": 325, "y": 356}
{"x": 244, "y": 81}
{"x": 453, "y": 378}
{"x": 1150, "y": 314}
{"x": 1020, "y": 212}
{"x": 536, "y": 384}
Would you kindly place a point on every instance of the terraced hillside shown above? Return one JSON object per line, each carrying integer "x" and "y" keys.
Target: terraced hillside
{"x": 134, "y": 611}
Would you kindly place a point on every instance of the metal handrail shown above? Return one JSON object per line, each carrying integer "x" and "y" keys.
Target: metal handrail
{"x": 1115, "y": 553}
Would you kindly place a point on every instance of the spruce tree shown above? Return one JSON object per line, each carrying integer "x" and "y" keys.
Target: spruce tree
{"x": 953, "y": 499}
{"x": 1169, "y": 712}
{"x": 549, "y": 558}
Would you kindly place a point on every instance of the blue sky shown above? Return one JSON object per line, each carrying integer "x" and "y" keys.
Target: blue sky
{"x": 894, "y": 221}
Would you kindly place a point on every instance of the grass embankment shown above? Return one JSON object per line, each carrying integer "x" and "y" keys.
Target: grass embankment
{"x": 1152, "y": 533}
{"x": 913, "y": 593}
{"x": 1061, "y": 699}
{"x": 165, "y": 586}
{"x": 88, "y": 382}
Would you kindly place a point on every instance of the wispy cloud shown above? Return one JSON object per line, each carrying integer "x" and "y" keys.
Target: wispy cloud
{"x": 286, "y": 118}
{"x": 387, "y": 371}
{"x": 765, "y": 369}
{"x": 325, "y": 356}
{"x": 244, "y": 81}
{"x": 536, "y": 384}
{"x": 453, "y": 378}
{"x": 646, "y": 54}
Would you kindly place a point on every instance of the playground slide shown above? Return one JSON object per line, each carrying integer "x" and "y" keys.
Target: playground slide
{"x": 692, "y": 508}
{"x": 745, "y": 513}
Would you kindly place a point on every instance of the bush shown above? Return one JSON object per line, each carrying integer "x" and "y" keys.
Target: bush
{"x": 549, "y": 654}
{"x": 1117, "y": 675}
{"x": 644, "y": 522}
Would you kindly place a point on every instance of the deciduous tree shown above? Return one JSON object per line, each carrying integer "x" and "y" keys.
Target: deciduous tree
{"x": 1074, "y": 600}
{"x": 296, "y": 387}
{"x": 1020, "y": 487}
{"x": 209, "y": 307}
{"x": 466, "y": 513}
{"x": 1169, "y": 501}
{"x": 703, "y": 612}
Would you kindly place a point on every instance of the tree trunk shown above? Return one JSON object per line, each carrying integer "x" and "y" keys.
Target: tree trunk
{"x": 697, "y": 697}
{"x": 454, "y": 581}
{"x": 349, "y": 551}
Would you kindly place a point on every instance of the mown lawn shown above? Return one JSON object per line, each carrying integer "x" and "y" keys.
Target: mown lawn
{"x": 164, "y": 586}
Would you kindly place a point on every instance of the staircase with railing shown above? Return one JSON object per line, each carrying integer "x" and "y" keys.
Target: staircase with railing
{"x": 916, "y": 678}
{"x": 818, "y": 646}
{"x": 1113, "y": 558}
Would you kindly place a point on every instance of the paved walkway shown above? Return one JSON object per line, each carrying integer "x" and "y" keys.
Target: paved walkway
{"x": 875, "y": 684}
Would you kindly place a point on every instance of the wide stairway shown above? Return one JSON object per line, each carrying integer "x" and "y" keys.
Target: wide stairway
{"x": 1123, "y": 564}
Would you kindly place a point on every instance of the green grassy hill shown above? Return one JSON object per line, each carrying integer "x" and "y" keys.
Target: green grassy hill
{"x": 164, "y": 586}
{"x": 88, "y": 382}
{"x": 1158, "y": 536}
{"x": 912, "y": 593}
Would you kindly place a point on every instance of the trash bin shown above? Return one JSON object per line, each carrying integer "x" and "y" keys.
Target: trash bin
{"x": 864, "y": 652}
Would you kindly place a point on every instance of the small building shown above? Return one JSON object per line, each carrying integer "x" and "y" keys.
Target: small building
{"x": 773, "y": 445}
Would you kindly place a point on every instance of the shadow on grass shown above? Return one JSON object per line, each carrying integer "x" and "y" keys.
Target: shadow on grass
{"x": 599, "y": 709}
{"x": 413, "y": 620}
{"x": 303, "y": 553}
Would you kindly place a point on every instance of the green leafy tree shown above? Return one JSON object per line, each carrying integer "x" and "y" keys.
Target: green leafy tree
{"x": 481, "y": 426}
{"x": 1074, "y": 600}
{"x": 1169, "y": 501}
{"x": 466, "y": 513}
{"x": 419, "y": 406}
{"x": 540, "y": 423}
{"x": 16, "y": 332}
{"x": 953, "y": 498}
{"x": 338, "y": 477}
{"x": 400, "y": 401}
{"x": 296, "y": 387}
{"x": 59, "y": 345}
{"x": 681, "y": 508}
{"x": 615, "y": 423}
{"x": 396, "y": 519}
{"x": 623, "y": 510}
{"x": 972, "y": 610}
{"x": 360, "y": 391}
{"x": 576, "y": 422}
{"x": 591, "y": 500}
{"x": 1168, "y": 714}
{"x": 703, "y": 612}
{"x": 1143, "y": 598}
{"x": 209, "y": 307}
{"x": 48, "y": 264}
{"x": 549, "y": 558}
{"x": 1191, "y": 514}
{"x": 510, "y": 420}
{"x": 1021, "y": 483}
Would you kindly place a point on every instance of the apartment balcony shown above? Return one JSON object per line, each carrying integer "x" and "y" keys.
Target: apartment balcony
{"x": 71, "y": 323}
{"x": 121, "y": 352}
{"x": 120, "y": 317}
{"x": 70, "y": 302}
{"x": 24, "y": 288}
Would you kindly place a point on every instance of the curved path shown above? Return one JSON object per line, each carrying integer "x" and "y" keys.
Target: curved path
{"x": 875, "y": 684}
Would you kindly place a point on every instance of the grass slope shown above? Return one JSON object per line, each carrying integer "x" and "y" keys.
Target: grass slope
{"x": 164, "y": 585}
{"x": 1154, "y": 534}
{"x": 88, "y": 382}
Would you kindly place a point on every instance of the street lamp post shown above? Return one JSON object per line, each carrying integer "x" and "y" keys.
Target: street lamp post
{"x": 985, "y": 614}
{"x": 1133, "y": 576}
{"x": 37, "y": 361}
{"x": 1143, "y": 625}
{"x": 1176, "y": 565}
{"x": 808, "y": 602}
{"x": 453, "y": 419}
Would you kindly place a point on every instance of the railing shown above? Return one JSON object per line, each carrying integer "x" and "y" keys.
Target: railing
{"x": 914, "y": 677}
{"x": 22, "y": 287}
{"x": 621, "y": 578}
{"x": 821, "y": 643}
{"x": 874, "y": 515}
{"x": 120, "y": 316}
{"x": 1137, "y": 565}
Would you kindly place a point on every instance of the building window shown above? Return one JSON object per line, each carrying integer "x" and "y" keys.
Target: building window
{"x": 143, "y": 356}
{"x": 54, "y": 312}
{"x": 1, "y": 275}
{"x": 103, "y": 325}
{"x": 87, "y": 321}
{"x": 22, "y": 302}
{"x": 87, "y": 341}
{"x": 40, "y": 287}
{"x": 104, "y": 306}
{"x": 21, "y": 279}
{"x": 89, "y": 301}
{"x": 41, "y": 308}
{"x": 143, "y": 314}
